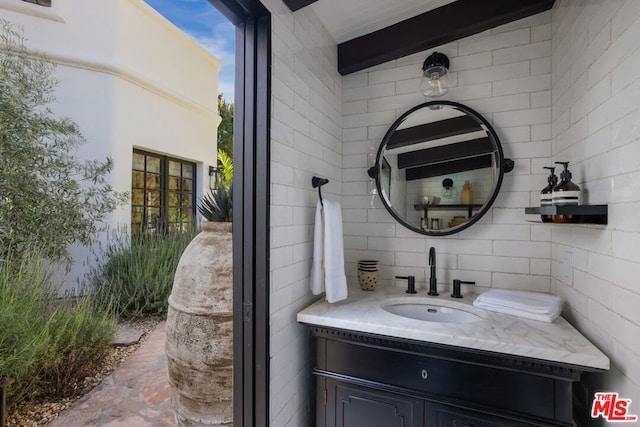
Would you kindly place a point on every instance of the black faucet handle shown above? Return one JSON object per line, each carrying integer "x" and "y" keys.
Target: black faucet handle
{"x": 411, "y": 283}
{"x": 433, "y": 282}
{"x": 456, "y": 287}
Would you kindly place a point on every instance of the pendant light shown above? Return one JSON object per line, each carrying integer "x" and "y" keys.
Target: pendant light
{"x": 434, "y": 81}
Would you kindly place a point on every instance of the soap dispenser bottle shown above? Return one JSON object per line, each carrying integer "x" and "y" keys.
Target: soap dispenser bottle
{"x": 466, "y": 195}
{"x": 546, "y": 198}
{"x": 566, "y": 193}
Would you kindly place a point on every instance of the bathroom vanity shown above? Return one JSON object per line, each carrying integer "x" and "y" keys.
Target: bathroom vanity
{"x": 387, "y": 358}
{"x": 376, "y": 368}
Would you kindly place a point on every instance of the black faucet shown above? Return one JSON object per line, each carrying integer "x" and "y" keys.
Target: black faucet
{"x": 411, "y": 283}
{"x": 433, "y": 282}
{"x": 456, "y": 287}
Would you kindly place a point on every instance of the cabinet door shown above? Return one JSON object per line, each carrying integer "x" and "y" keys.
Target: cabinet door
{"x": 350, "y": 405}
{"x": 448, "y": 416}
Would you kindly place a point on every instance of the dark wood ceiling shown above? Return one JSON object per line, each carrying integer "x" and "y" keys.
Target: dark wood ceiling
{"x": 297, "y": 4}
{"x": 445, "y": 24}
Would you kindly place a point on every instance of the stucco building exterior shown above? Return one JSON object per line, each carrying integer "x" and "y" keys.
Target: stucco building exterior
{"x": 142, "y": 93}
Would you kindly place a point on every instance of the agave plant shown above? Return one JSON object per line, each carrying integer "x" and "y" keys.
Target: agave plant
{"x": 217, "y": 205}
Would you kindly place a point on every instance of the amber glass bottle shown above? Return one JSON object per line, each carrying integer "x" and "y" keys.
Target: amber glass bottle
{"x": 566, "y": 193}
{"x": 546, "y": 198}
{"x": 466, "y": 195}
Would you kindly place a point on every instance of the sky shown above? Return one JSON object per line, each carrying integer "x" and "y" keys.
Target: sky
{"x": 203, "y": 22}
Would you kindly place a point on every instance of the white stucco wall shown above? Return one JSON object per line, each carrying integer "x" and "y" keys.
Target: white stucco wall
{"x": 129, "y": 78}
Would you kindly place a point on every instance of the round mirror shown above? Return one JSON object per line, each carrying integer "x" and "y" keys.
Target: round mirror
{"x": 439, "y": 168}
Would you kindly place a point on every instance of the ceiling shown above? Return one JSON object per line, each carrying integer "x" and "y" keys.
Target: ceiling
{"x": 372, "y": 32}
{"x": 348, "y": 19}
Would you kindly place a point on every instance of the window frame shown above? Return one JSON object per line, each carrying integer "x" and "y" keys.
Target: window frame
{"x": 164, "y": 173}
{"x": 251, "y": 202}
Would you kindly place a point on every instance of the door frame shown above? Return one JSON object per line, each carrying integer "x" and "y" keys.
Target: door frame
{"x": 251, "y": 188}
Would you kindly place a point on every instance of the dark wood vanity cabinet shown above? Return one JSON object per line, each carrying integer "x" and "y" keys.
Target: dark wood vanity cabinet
{"x": 369, "y": 381}
{"x": 353, "y": 405}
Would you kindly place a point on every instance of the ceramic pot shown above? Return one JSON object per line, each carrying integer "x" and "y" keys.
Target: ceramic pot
{"x": 199, "y": 340}
{"x": 368, "y": 280}
{"x": 368, "y": 263}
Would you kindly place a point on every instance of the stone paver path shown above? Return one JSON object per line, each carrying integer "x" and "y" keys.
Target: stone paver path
{"x": 136, "y": 394}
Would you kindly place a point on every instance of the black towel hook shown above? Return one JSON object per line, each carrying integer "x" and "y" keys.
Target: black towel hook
{"x": 318, "y": 182}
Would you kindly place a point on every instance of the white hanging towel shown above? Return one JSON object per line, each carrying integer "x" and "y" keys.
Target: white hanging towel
{"x": 317, "y": 265}
{"x": 530, "y": 305}
{"x": 327, "y": 268}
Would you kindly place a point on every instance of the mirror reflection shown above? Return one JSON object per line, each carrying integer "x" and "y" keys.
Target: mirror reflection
{"x": 439, "y": 168}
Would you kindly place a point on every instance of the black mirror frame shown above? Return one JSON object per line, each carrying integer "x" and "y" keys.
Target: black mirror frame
{"x": 505, "y": 166}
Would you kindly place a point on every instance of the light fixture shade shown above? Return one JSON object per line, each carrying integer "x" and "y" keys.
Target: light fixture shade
{"x": 435, "y": 69}
{"x": 213, "y": 177}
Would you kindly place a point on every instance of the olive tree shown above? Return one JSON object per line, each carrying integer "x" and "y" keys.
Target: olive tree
{"x": 49, "y": 197}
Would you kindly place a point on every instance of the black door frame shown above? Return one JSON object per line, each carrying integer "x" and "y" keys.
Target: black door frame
{"x": 251, "y": 187}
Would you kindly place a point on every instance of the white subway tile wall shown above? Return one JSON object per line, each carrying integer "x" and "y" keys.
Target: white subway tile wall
{"x": 306, "y": 140}
{"x": 504, "y": 74}
{"x": 560, "y": 85}
{"x": 596, "y": 99}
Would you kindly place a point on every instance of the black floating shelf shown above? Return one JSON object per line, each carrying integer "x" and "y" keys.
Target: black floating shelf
{"x": 427, "y": 208}
{"x": 421, "y": 207}
{"x": 589, "y": 214}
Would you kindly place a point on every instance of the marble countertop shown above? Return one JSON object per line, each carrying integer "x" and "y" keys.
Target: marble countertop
{"x": 499, "y": 333}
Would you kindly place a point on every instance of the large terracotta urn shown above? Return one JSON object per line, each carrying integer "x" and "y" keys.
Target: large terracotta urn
{"x": 199, "y": 337}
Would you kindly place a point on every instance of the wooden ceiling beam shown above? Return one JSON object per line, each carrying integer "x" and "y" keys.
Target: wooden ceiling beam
{"x": 432, "y": 131}
{"x": 448, "y": 168}
{"x": 451, "y": 22}
{"x": 445, "y": 153}
{"x": 294, "y": 5}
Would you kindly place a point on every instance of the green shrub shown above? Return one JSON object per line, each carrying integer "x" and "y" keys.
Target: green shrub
{"x": 137, "y": 275}
{"x": 47, "y": 345}
{"x": 80, "y": 336}
{"x": 22, "y": 337}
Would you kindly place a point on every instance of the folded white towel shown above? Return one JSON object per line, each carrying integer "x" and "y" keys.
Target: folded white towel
{"x": 531, "y": 305}
{"x": 549, "y": 318}
{"x": 327, "y": 268}
{"x": 534, "y": 302}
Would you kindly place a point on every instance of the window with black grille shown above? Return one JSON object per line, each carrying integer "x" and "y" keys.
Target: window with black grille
{"x": 162, "y": 193}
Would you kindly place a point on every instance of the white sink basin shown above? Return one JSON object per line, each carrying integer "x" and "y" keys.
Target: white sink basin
{"x": 432, "y": 311}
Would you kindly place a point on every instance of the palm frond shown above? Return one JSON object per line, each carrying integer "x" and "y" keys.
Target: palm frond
{"x": 226, "y": 167}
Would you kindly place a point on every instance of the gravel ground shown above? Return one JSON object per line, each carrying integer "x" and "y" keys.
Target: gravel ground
{"x": 42, "y": 413}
